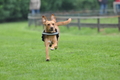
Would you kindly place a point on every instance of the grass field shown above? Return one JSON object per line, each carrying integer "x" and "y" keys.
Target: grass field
{"x": 82, "y": 54}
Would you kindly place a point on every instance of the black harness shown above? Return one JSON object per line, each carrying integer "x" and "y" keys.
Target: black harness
{"x": 50, "y": 34}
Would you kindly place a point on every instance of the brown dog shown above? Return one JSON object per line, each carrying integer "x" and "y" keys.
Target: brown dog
{"x": 50, "y": 34}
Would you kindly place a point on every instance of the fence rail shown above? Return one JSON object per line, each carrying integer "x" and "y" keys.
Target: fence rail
{"x": 36, "y": 19}
{"x": 94, "y": 25}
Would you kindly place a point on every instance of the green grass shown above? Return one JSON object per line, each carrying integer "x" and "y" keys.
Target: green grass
{"x": 82, "y": 54}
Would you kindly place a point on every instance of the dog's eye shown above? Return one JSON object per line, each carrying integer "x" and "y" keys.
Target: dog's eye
{"x": 52, "y": 23}
{"x": 48, "y": 24}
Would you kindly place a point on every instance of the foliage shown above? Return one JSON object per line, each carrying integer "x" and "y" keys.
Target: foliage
{"x": 71, "y": 5}
{"x": 81, "y": 55}
{"x": 11, "y": 10}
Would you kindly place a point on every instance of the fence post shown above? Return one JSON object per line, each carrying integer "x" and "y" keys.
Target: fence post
{"x": 98, "y": 24}
{"x": 29, "y": 20}
{"x": 35, "y": 20}
{"x": 68, "y": 26}
{"x": 79, "y": 23}
{"x": 119, "y": 23}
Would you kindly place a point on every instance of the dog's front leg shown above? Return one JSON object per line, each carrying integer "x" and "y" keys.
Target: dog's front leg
{"x": 47, "y": 50}
{"x": 54, "y": 45}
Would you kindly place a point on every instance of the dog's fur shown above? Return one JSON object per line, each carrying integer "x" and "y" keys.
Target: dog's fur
{"x": 51, "y": 27}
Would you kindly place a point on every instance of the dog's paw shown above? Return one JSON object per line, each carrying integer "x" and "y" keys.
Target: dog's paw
{"x": 52, "y": 49}
{"x": 47, "y": 59}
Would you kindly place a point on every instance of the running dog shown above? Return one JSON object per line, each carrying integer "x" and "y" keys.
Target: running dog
{"x": 50, "y": 34}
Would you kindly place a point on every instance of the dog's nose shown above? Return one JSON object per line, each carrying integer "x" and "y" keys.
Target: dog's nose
{"x": 51, "y": 28}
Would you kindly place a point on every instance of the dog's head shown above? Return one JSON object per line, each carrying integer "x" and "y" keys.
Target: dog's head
{"x": 49, "y": 25}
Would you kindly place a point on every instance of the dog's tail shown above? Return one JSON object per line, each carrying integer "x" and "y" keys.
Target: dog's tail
{"x": 64, "y": 22}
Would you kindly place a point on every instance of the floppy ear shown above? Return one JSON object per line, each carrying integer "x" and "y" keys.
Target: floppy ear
{"x": 53, "y": 18}
{"x": 44, "y": 19}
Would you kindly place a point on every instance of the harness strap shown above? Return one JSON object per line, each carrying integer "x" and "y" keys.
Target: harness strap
{"x": 50, "y": 34}
{"x": 55, "y": 33}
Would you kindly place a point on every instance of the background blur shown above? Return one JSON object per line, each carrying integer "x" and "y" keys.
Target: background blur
{"x": 14, "y": 10}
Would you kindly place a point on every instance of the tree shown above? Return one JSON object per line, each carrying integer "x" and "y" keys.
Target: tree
{"x": 11, "y": 10}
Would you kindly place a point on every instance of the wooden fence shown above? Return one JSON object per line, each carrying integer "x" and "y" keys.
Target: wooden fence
{"x": 36, "y": 20}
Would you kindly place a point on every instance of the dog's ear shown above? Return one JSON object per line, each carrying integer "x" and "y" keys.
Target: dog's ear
{"x": 44, "y": 19}
{"x": 53, "y": 18}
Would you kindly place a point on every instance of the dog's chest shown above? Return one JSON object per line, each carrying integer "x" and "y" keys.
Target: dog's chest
{"x": 50, "y": 38}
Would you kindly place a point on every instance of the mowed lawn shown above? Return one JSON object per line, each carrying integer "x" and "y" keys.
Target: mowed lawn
{"x": 81, "y": 55}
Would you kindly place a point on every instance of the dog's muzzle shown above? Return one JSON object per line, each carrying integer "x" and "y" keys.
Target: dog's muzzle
{"x": 51, "y": 28}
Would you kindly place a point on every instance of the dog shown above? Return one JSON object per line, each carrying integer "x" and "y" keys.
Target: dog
{"x": 50, "y": 35}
